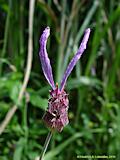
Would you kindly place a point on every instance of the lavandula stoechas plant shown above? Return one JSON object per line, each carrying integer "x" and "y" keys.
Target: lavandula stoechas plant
{"x": 56, "y": 116}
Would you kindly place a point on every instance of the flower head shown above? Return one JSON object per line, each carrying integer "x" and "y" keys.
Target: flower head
{"x": 56, "y": 117}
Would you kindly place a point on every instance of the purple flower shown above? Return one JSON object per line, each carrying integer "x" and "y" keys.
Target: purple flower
{"x": 56, "y": 116}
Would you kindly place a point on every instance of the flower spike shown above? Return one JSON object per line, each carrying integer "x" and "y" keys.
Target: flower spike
{"x": 75, "y": 58}
{"x": 56, "y": 116}
{"x": 45, "y": 62}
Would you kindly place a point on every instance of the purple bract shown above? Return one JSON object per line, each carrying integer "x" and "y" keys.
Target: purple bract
{"x": 56, "y": 117}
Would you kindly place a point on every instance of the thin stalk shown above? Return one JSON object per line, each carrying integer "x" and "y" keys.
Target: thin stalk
{"x": 60, "y": 52}
{"x": 46, "y": 145}
{"x": 21, "y": 32}
{"x": 86, "y": 21}
{"x": 68, "y": 27}
{"x": 25, "y": 125}
{"x": 7, "y": 23}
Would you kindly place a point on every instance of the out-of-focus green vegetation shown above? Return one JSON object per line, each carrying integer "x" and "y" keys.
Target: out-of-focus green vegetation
{"x": 93, "y": 87}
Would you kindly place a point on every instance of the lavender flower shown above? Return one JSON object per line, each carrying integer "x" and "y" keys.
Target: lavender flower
{"x": 56, "y": 116}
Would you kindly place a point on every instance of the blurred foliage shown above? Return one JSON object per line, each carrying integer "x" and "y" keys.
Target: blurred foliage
{"x": 93, "y": 87}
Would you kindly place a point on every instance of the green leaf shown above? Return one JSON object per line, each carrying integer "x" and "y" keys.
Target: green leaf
{"x": 37, "y": 101}
{"x": 19, "y": 149}
{"x": 14, "y": 91}
{"x": 92, "y": 82}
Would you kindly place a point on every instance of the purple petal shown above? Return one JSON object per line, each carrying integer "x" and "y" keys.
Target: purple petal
{"x": 75, "y": 58}
{"x": 46, "y": 67}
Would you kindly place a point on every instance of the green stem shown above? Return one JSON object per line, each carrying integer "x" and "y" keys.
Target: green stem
{"x": 25, "y": 125}
{"x": 21, "y": 32}
{"x": 46, "y": 145}
{"x": 60, "y": 51}
{"x": 5, "y": 35}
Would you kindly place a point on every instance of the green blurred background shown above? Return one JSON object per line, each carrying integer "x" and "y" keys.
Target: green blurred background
{"x": 93, "y": 86}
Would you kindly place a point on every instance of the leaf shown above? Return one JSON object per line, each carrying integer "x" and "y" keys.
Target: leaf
{"x": 37, "y": 101}
{"x": 92, "y": 82}
{"x": 3, "y": 108}
{"x": 14, "y": 91}
{"x": 19, "y": 149}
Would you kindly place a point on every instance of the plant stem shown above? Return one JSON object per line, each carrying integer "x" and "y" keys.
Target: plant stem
{"x": 61, "y": 49}
{"x": 7, "y": 23}
{"x": 12, "y": 110}
{"x": 46, "y": 145}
